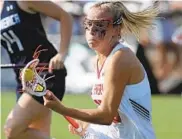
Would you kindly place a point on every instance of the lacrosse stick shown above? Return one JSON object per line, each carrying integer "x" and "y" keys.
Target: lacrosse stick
{"x": 19, "y": 66}
{"x": 35, "y": 85}
{"x": 36, "y": 54}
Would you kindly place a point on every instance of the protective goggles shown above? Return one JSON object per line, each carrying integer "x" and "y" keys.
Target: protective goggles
{"x": 102, "y": 23}
{"x": 99, "y": 27}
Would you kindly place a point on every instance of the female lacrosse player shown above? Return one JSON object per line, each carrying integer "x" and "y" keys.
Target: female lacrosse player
{"x": 21, "y": 33}
{"x": 122, "y": 90}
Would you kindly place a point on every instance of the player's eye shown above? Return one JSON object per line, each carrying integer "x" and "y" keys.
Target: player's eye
{"x": 89, "y": 23}
{"x": 99, "y": 24}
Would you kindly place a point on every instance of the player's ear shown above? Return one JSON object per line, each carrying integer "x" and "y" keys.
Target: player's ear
{"x": 119, "y": 28}
{"x": 116, "y": 30}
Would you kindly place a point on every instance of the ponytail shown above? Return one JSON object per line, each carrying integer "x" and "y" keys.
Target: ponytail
{"x": 131, "y": 22}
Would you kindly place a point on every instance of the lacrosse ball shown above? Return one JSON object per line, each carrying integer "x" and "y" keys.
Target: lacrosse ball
{"x": 29, "y": 74}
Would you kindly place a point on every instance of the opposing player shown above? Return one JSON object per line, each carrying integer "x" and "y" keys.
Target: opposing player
{"x": 122, "y": 90}
{"x": 22, "y": 34}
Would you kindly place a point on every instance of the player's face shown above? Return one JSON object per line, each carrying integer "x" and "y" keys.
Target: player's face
{"x": 99, "y": 28}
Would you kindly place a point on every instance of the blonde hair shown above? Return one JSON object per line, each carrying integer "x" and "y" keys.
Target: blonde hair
{"x": 130, "y": 22}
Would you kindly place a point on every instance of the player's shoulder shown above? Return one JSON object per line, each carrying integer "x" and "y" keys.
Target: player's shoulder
{"x": 119, "y": 65}
{"x": 123, "y": 59}
{"x": 25, "y": 6}
{"x": 123, "y": 55}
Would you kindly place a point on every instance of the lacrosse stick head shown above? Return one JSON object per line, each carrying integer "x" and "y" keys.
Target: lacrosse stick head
{"x": 31, "y": 81}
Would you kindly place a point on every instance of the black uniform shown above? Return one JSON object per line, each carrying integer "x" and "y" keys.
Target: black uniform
{"x": 21, "y": 34}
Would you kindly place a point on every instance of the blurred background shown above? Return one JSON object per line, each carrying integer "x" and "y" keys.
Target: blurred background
{"x": 159, "y": 49}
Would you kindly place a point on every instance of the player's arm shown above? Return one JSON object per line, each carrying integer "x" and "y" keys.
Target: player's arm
{"x": 50, "y": 9}
{"x": 117, "y": 75}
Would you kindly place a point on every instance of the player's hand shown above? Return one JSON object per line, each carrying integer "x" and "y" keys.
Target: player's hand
{"x": 82, "y": 124}
{"x": 57, "y": 62}
{"x": 52, "y": 102}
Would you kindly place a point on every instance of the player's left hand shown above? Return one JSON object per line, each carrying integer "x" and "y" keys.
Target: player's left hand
{"x": 52, "y": 102}
{"x": 56, "y": 62}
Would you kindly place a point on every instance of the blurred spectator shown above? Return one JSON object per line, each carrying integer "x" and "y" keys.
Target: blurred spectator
{"x": 169, "y": 52}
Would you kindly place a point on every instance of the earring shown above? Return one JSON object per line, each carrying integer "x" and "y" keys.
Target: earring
{"x": 121, "y": 39}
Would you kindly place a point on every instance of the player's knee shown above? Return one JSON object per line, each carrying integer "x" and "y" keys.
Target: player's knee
{"x": 11, "y": 131}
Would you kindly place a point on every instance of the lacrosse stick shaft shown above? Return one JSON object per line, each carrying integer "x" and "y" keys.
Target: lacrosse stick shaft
{"x": 17, "y": 66}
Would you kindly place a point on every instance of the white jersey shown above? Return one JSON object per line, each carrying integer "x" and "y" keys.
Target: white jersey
{"x": 134, "y": 109}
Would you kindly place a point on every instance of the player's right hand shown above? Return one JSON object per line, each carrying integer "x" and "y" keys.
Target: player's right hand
{"x": 83, "y": 125}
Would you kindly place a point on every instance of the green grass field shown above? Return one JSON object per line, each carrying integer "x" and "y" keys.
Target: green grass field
{"x": 167, "y": 115}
